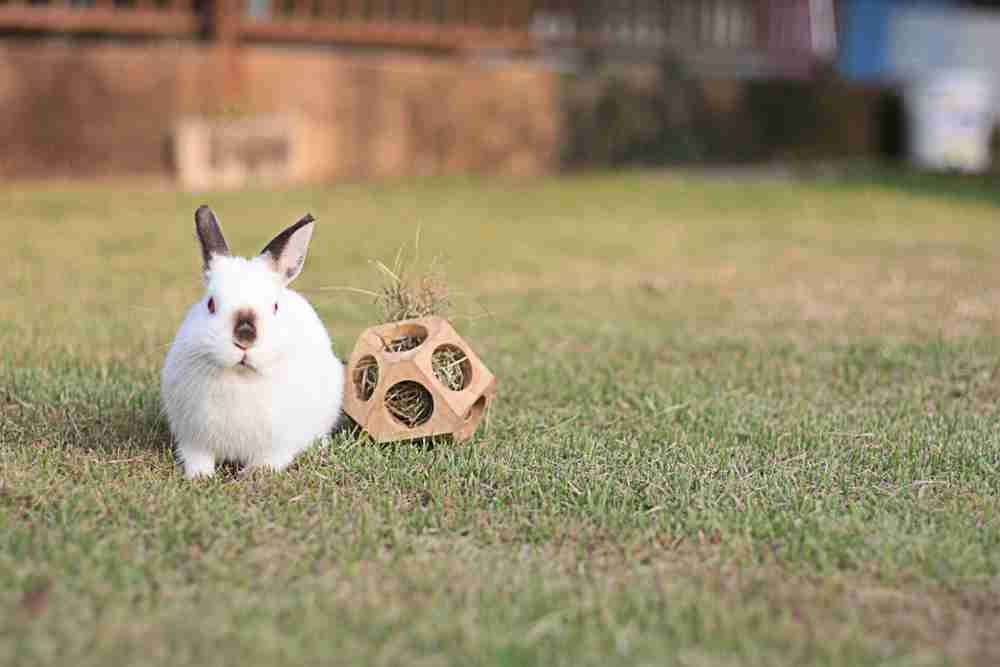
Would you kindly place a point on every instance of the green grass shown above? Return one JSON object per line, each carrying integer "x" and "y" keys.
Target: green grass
{"x": 746, "y": 422}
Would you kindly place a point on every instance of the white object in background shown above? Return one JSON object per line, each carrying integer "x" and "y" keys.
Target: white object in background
{"x": 823, "y": 28}
{"x": 951, "y": 117}
{"x": 235, "y": 152}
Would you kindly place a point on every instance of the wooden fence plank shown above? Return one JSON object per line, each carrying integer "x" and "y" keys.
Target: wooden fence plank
{"x": 762, "y": 26}
{"x": 99, "y": 19}
{"x": 387, "y": 34}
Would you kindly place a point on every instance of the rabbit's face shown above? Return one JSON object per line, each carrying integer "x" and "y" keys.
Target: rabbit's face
{"x": 239, "y": 320}
{"x": 242, "y": 306}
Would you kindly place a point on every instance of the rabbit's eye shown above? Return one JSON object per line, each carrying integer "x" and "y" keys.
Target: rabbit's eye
{"x": 275, "y": 307}
{"x": 211, "y": 305}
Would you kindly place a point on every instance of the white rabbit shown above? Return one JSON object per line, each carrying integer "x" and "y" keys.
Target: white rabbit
{"x": 250, "y": 376}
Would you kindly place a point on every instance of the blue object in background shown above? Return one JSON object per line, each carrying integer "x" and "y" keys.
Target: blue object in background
{"x": 864, "y": 36}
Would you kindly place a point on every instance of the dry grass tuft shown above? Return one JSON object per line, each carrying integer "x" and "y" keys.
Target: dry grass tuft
{"x": 403, "y": 296}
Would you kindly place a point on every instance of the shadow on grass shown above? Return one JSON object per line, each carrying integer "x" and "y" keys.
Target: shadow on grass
{"x": 351, "y": 431}
{"x": 109, "y": 410}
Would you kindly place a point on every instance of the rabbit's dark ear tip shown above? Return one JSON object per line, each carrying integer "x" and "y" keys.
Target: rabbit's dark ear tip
{"x": 202, "y": 210}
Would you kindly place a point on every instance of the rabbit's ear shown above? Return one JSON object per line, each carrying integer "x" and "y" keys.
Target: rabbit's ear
{"x": 209, "y": 235}
{"x": 287, "y": 250}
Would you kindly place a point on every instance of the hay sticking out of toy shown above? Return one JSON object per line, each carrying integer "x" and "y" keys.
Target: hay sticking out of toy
{"x": 410, "y": 403}
{"x": 402, "y": 297}
{"x": 451, "y": 366}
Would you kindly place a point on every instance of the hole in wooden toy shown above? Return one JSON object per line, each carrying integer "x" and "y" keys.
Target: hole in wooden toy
{"x": 409, "y": 403}
{"x": 472, "y": 419}
{"x": 366, "y": 377}
{"x": 452, "y": 367}
{"x": 476, "y": 410}
{"x": 405, "y": 337}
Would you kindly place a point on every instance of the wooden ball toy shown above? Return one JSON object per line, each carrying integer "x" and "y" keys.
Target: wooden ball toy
{"x": 414, "y": 379}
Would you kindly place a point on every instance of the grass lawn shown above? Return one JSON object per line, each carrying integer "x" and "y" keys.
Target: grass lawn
{"x": 742, "y": 421}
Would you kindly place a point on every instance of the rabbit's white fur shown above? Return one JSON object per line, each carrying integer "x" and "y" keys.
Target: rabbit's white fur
{"x": 260, "y": 406}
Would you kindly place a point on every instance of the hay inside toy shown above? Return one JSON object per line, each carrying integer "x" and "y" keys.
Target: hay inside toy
{"x": 404, "y": 343}
{"x": 404, "y": 337}
{"x": 366, "y": 377}
{"x": 452, "y": 367}
{"x": 410, "y": 403}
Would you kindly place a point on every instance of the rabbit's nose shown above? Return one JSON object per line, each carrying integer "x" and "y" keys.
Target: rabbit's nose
{"x": 245, "y": 331}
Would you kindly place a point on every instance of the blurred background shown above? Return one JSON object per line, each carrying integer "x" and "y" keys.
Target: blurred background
{"x": 225, "y": 93}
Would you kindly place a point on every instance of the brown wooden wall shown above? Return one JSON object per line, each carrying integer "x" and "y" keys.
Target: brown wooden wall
{"x": 85, "y": 110}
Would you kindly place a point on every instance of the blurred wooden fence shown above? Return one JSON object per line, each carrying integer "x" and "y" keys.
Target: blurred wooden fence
{"x": 778, "y": 26}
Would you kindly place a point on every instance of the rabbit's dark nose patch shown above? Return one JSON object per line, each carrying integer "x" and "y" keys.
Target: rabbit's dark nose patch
{"x": 245, "y": 330}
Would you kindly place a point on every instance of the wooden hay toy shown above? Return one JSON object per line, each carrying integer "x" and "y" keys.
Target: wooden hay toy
{"x": 416, "y": 378}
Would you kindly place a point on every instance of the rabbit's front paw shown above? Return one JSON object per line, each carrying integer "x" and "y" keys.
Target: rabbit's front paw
{"x": 197, "y": 463}
{"x": 274, "y": 462}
